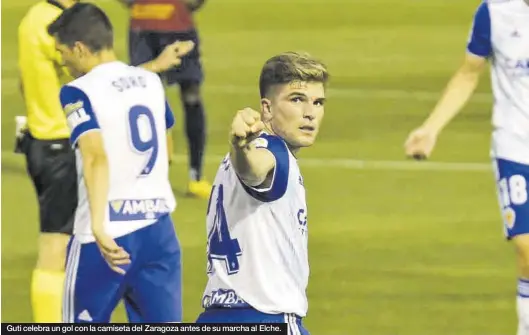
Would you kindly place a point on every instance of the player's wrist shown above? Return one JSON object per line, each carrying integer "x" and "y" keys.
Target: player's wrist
{"x": 432, "y": 129}
{"x": 234, "y": 140}
{"x": 240, "y": 144}
{"x": 97, "y": 230}
{"x": 154, "y": 66}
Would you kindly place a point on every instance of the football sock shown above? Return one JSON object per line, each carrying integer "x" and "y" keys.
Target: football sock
{"x": 46, "y": 296}
{"x": 196, "y": 136}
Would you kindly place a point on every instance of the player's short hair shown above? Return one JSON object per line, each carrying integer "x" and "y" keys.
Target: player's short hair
{"x": 291, "y": 66}
{"x": 85, "y": 23}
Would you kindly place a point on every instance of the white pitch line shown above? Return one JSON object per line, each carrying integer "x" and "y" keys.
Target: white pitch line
{"x": 396, "y": 165}
{"x": 358, "y": 164}
{"x": 10, "y": 87}
{"x": 338, "y": 163}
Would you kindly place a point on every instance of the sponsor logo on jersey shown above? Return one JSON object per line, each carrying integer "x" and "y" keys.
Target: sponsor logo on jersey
{"x": 137, "y": 209}
{"x": 223, "y": 298}
{"x": 517, "y": 67}
{"x": 302, "y": 220}
{"x": 518, "y": 63}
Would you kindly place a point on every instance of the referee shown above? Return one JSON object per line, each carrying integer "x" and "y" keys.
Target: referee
{"x": 50, "y": 160}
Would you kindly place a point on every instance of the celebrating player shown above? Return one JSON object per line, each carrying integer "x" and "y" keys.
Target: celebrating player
{"x": 500, "y": 33}
{"x": 124, "y": 243}
{"x": 44, "y": 142}
{"x": 257, "y": 215}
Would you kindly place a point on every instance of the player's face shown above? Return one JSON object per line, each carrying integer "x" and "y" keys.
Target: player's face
{"x": 70, "y": 58}
{"x": 295, "y": 112}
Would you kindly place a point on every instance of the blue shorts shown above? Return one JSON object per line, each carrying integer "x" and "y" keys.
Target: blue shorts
{"x": 250, "y": 315}
{"x": 511, "y": 183}
{"x": 151, "y": 286}
{"x": 145, "y": 46}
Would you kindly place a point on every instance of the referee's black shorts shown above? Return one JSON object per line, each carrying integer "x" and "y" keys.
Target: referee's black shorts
{"x": 145, "y": 46}
{"x": 51, "y": 166}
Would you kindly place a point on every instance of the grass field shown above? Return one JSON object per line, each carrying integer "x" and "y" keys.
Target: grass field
{"x": 394, "y": 250}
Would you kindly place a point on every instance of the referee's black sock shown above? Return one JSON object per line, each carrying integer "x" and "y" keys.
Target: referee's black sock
{"x": 195, "y": 130}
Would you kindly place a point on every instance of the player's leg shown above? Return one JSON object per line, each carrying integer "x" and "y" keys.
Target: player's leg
{"x": 512, "y": 181}
{"x": 195, "y": 121}
{"x": 92, "y": 290}
{"x": 521, "y": 243}
{"x": 132, "y": 308}
{"x": 51, "y": 166}
{"x": 189, "y": 76}
{"x": 157, "y": 285}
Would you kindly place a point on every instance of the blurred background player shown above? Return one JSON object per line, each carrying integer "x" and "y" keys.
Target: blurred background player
{"x": 500, "y": 33}
{"x": 119, "y": 118}
{"x": 153, "y": 25}
{"x": 257, "y": 215}
{"x": 50, "y": 161}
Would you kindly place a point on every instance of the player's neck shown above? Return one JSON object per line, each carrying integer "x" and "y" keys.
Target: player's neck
{"x": 102, "y": 57}
{"x": 270, "y": 130}
{"x": 293, "y": 150}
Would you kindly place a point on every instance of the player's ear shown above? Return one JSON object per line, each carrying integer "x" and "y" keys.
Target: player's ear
{"x": 266, "y": 109}
{"x": 79, "y": 49}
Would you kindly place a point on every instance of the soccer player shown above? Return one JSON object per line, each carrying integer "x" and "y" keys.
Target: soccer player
{"x": 153, "y": 25}
{"x": 124, "y": 243}
{"x": 49, "y": 158}
{"x": 500, "y": 33}
{"x": 258, "y": 265}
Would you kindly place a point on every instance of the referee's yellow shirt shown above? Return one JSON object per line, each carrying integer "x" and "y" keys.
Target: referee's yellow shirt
{"x": 41, "y": 72}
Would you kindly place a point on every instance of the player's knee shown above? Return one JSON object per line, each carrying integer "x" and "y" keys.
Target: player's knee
{"x": 191, "y": 93}
{"x": 52, "y": 251}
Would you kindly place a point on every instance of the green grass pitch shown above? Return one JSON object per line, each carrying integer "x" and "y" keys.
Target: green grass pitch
{"x": 394, "y": 250}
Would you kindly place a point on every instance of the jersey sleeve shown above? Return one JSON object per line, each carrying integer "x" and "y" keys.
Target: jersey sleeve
{"x": 169, "y": 117}
{"x": 480, "y": 35}
{"x": 279, "y": 183}
{"x": 79, "y": 112}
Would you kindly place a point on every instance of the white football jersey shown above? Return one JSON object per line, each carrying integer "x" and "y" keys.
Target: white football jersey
{"x": 127, "y": 106}
{"x": 257, "y": 238}
{"x": 501, "y": 32}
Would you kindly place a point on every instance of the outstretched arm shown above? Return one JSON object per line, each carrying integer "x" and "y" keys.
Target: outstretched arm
{"x": 251, "y": 163}
{"x": 460, "y": 88}
{"x": 171, "y": 56}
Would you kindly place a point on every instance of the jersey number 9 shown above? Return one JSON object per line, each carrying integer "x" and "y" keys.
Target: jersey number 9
{"x": 143, "y": 135}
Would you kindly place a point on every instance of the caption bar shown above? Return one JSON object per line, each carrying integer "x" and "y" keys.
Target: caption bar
{"x": 160, "y": 328}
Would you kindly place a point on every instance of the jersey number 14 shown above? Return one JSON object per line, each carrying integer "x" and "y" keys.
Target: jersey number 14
{"x": 220, "y": 244}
